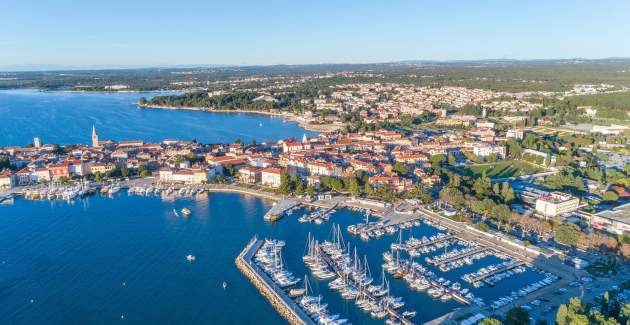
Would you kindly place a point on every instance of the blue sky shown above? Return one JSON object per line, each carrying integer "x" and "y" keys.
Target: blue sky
{"x": 152, "y": 33}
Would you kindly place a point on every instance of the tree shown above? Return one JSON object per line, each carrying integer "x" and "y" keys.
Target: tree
{"x": 98, "y": 176}
{"x": 496, "y": 189}
{"x": 490, "y": 321}
{"x": 310, "y": 190}
{"x": 124, "y": 171}
{"x": 501, "y": 213}
{"x": 453, "y": 196}
{"x": 507, "y": 193}
{"x": 517, "y": 316}
{"x": 611, "y": 196}
{"x": 481, "y": 186}
{"x": 353, "y": 186}
{"x": 400, "y": 169}
{"x": 562, "y": 315}
{"x": 285, "y": 186}
{"x": 451, "y": 159}
{"x": 437, "y": 160}
{"x": 143, "y": 171}
{"x": 567, "y": 233}
{"x": 418, "y": 192}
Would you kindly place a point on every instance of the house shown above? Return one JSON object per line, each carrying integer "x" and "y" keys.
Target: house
{"x": 249, "y": 175}
{"x": 59, "y": 170}
{"x": 7, "y": 179}
{"x": 271, "y": 176}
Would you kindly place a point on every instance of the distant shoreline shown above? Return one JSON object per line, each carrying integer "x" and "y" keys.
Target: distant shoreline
{"x": 303, "y": 123}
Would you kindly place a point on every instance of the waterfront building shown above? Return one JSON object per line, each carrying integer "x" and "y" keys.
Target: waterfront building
{"x": 271, "y": 176}
{"x": 249, "y": 175}
{"x": 59, "y": 170}
{"x": 7, "y": 179}
{"x": 556, "y": 203}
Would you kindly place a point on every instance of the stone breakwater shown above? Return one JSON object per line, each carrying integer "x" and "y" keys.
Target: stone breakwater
{"x": 280, "y": 301}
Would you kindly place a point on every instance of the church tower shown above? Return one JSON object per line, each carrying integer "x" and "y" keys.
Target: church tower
{"x": 94, "y": 137}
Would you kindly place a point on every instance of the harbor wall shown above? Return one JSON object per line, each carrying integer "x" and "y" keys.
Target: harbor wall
{"x": 292, "y": 314}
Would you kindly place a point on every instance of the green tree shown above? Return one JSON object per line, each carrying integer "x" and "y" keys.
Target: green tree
{"x": 566, "y": 233}
{"x": 517, "y": 316}
{"x": 611, "y": 196}
{"x": 451, "y": 159}
{"x": 143, "y": 171}
{"x": 562, "y": 315}
{"x": 310, "y": 190}
{"x": 490, "y": 321}
{"x": 285, "y": 185}
{"x": 400, "y": 169}
{"x": 353, "y": 187}
{"x": 98, "y": 176}
{"x": 452, "y": 196}
{"x": 507, "y": 193}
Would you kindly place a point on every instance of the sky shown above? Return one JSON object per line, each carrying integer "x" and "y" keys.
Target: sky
{"x": 94, "y": 33}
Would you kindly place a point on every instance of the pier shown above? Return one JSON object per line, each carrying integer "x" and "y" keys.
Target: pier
{"x": 434, "y": 241}
{"x": 279, "y": 208}
{"x": 278, "y": 298}
{"x": 493, "y": 272}
{"x": 459, "y": 256}
{"x": 392, "y": 312}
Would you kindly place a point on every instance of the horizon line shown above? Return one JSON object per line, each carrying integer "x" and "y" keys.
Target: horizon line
{"x": 16, "y": 68}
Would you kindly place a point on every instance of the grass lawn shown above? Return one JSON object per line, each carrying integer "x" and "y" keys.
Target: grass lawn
{"x": 602, "y": 269}
{"x": 500, "y": 169}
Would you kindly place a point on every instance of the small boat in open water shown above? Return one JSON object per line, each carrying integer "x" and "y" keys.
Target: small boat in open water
{"x": 190, "y": 258}
{"x": 185, "y": 212}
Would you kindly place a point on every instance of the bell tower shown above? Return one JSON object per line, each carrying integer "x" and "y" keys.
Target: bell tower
{"x": 94, "y": 137}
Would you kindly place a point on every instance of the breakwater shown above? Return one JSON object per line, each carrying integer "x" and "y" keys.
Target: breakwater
{"x": 280, "y": 301}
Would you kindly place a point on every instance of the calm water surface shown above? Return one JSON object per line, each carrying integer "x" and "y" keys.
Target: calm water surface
{"x": 63, "y": 117}
{"x": 109, "y": 260}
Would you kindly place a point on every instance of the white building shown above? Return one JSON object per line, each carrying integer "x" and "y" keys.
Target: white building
{"x": 7, "y": 179}
{"x": 485, "y": 150}
{"x": 271, "y": 176}
{"x": 515, "y": 134}
{"x": 556, "y": 203}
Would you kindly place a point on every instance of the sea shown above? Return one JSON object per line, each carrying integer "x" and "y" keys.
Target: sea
{"x": 67, "y": 118}
{"x": 122, "y": 259}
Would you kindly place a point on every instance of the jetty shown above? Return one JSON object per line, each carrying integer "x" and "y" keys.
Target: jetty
{"x": 280, "y": 208}
{"x": 459, "y": 256}
{"x": 278, "y": 298}
{"x": 508, "y": 267}
{"x": 440, "y": 239}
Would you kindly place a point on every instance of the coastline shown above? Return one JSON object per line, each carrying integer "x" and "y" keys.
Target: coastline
{"x": 303, "y": 123}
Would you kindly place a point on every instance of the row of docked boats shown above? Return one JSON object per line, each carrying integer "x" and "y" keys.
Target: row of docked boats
{"x": 494, "y": 273}
{"x": 67, "y": 193}
{"x": 269, "y": 258}
{"x": 373, "y": 230}
{"x": 317, "y": 217}
{"x": 455, "y": 255}
{"x": 417, "y": 246}
{"x": 548, "y": 279}
{"x": 353, "y": 280}
{"x": 420, "y": 278}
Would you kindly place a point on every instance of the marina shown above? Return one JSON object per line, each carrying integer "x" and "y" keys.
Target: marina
{"x": 426, "y": 291}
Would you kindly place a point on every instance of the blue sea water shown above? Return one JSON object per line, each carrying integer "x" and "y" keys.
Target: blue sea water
{"x": 66, "y": 117}
{"x": 109, "y": 260}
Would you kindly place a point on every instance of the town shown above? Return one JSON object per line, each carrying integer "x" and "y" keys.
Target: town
{"x": 462, "y": 157}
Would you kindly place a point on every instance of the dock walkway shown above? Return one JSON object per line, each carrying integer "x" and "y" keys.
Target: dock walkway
{"x": 499, "y": 270}
{"x": 278, "y": 209}
{"x": 278, "y": 298}
{"x": 460, "y": 256}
